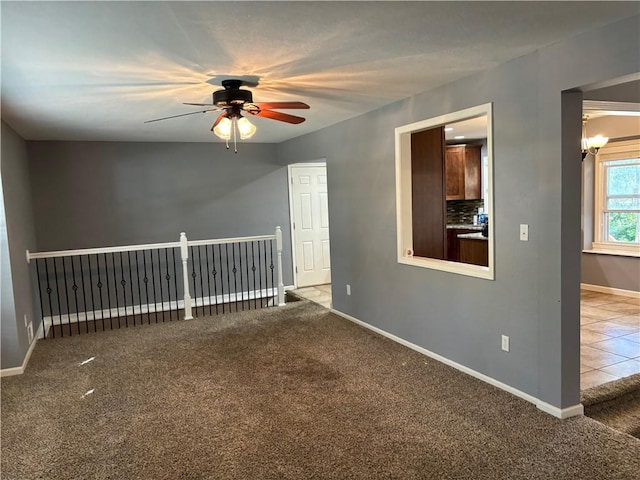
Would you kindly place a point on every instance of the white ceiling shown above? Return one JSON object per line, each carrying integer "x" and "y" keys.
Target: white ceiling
{"x": 470, "y": 129}
{"x": 98, "y": 70}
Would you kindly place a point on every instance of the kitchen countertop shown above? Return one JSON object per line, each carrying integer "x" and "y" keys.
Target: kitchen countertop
{"x": 472, "y": 236}
{"x": 467, "y": 226}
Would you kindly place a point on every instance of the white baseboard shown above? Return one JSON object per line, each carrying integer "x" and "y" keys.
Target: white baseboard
{"x": 8, "y": 372}
{"x": 561, "y": 413}
{"x": 545, "y": 407}
{"x": 610, "y": 290}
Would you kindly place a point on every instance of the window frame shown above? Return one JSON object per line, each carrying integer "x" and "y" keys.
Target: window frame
{"x": 624, "y": 150}
{"x": 403, "y": 194}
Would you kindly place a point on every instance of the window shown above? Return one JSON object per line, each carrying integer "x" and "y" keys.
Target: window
{"x": 617, "y": 208}
{"x": 444, "y": 189}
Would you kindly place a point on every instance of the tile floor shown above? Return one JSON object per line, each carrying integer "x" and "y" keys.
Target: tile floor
{"x": 609, "y": 333}
{"x": 609, "y": 337}
{"x": 319, "y": 294}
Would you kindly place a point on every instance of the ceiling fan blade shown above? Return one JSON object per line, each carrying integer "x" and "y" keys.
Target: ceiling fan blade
{"x": 201, "y": 104}
{"x": 281, "y": 105}
{"x": 220, "y": 117}
{"x": 182, "y": 115}
{"x": 283, "y": 117}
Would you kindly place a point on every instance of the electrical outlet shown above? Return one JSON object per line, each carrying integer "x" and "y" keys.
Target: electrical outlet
{"x": 30, "y": 332}
{"x": 505, "y": 343}
{"x": 524, "y": 232}
{"x": 348, "y": 289}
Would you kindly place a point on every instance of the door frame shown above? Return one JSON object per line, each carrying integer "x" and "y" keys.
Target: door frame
{"x": 316, "y": 163}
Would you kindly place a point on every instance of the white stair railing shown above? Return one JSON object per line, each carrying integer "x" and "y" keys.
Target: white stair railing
{"x": 105, "y": 288}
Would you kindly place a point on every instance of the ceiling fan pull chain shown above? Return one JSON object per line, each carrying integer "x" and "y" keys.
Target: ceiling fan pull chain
{"x": 235, "y": 147}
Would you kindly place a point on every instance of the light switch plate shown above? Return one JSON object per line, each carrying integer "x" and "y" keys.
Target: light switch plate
{"x": 524, "y": 232}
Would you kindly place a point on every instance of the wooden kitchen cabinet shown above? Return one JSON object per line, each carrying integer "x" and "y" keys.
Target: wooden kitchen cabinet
{"x": 463, "y": 170}
{"x": 453, "y": 243}
{"x": 474, "y": 251}
{"x": 428, "y": 193}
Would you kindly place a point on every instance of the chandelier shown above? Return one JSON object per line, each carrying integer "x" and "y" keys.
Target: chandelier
{"x": 591, "y": 145}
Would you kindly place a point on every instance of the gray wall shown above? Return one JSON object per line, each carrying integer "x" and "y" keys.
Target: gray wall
{"x": 99, "y": 194}
{"x": 17, "y": 234}
{"x": 623, "y": 92}
{"x": 8, "y": 326}
{"x": 611, "y": 271}
{"x": 535, "y": 297}
{"x": 606, "y": 270}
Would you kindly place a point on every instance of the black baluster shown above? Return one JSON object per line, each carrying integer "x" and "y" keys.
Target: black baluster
{"x": 55, "y": 273}
{"x": 40, "y": 294}
{"x": 193, "y": 278}
{"x": 168, "y": 278}
{"x": 123, "y": 282}
{"x": 66, "y": 294}
{"x": 139, "y": 287}
{"x": 235, "y": 270}
{"x": 275, "y": 302}
{"x": 74, "y": 287}
{"x": 160, "y": 286}
{"x": 266, "y": 272}
{"x": 133, "y": 303}
{"x": 84, "y": 296}
{"x": 53, "y": 330}
{"x": 158, "y": 295}
{"x": 93, "y": 302}
{"x": 201, "y": 279}
{"x": 153, "y": 281}
{"x": 214, "y": 272}
{"x": 206, "y": 254}
{"x": 241, "y": 286}
{"x": 221, "y": 276}
{"x": 246, "y": 257}
{"x": 260, "y": 272}
{"x": 175, "y": 282}
{"x": 115, "y": 291}
{"x": 146, "y": 284}
{"x": 115, "y": 287}
{"x": 226, "y": 252}
{"x": 99, "y": 285}
{"x": 253, "y": 269}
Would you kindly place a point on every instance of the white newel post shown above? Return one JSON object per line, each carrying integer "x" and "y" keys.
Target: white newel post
{"x": 184, "y": 250}
{"x": 280, "y": 284}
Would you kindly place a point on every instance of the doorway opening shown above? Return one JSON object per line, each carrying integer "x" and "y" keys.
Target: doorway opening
{"x": 610, "y": 257}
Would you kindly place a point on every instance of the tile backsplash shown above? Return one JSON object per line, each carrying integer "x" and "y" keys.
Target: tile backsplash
{"x": 461, "y": 212}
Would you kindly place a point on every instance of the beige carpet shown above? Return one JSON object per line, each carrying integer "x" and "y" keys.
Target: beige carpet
{"x": 616, "y": 404}
{"x": 288, "y": 393}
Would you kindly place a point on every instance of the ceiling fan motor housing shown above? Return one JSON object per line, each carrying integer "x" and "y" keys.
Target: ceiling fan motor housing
{"x": 231, "y": 95}
{"x": 233, "y": 101}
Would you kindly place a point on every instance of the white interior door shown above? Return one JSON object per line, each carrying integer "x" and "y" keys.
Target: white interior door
{"x": 310, "y": 226}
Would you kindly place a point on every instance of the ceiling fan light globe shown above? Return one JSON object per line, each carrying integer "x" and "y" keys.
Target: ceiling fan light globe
{"x": 223, "y": 129}
{"x": 245, "y": 128}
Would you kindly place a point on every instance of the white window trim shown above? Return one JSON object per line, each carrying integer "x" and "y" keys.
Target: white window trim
{"x": 612, "y": 151}
{"x": 403, "y": 194}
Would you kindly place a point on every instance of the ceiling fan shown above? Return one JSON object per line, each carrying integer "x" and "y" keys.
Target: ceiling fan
{"x": 231, "y": 102}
